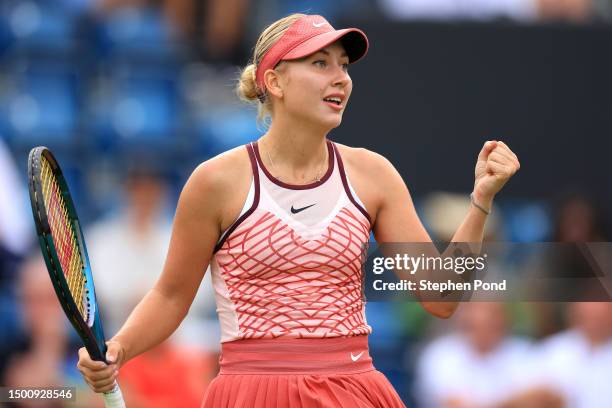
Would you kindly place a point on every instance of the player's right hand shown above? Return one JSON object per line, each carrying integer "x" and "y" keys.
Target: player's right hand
{"x": 99, "y": 375}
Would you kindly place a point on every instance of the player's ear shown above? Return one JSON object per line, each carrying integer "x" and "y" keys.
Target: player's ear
{"x": 273, "y": 81}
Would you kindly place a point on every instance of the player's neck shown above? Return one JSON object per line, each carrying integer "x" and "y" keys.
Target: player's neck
{"x": 296, "y": 146}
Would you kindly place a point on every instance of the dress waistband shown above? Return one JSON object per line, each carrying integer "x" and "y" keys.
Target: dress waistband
{"x": 338, "y": 355}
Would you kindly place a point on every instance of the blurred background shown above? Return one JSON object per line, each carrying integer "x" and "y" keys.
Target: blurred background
{"x": 132, "y": 95}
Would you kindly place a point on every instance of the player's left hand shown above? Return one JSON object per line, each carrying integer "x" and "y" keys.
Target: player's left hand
{"x": 495, "y": 165}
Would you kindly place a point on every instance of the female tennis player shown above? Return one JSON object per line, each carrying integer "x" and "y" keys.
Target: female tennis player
{"x": 282, "y": 222}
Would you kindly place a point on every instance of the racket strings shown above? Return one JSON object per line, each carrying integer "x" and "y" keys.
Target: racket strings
{"x": 63, "y": 236}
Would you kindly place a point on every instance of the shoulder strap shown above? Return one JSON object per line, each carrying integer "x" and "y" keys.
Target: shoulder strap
{"x": 253, "y": 206}
{"x": 346, "y": 184}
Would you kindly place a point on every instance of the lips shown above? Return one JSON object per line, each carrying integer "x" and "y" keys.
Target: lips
{"x": 334, "y": 101}
{"x": 334, "y": 106}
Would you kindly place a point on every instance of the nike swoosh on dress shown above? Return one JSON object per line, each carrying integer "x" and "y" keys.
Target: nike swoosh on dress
{"x": 297, "y": 210}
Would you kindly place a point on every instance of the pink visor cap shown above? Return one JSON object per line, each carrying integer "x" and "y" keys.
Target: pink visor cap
{"x": 306, "y": 36}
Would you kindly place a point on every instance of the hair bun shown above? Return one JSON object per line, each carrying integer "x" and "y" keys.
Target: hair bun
{"x": 247, "y": 88}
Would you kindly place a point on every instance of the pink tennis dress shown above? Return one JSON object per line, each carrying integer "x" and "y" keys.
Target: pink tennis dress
{"x": 288, "y": 276}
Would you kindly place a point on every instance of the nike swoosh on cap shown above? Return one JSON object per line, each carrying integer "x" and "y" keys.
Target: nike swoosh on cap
{"x": 317, "y": 25}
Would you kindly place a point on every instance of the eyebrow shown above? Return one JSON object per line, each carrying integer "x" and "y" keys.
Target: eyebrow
{"x": 324, "y": 51}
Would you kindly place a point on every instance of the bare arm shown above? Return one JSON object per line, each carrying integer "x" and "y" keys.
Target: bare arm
{"x": 194, "y": 234}
{"x": 195, "y": 231}
{"x": 398, "y": 222}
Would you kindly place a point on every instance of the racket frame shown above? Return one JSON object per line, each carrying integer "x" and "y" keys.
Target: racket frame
{"x": 93, "y": 337}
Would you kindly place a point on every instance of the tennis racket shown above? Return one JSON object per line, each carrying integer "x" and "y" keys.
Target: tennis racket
{"x": 63, "y": 247}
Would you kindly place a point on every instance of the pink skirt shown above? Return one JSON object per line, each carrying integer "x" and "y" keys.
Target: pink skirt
{"x": 299, "y": 373}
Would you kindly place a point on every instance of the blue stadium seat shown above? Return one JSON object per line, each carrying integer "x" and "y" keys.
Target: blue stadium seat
{"x": 136, "y": 33}
{"x": 387, "y": 342}
{"x": 528, "y": 222}
{"x": 136, "y": 107}
{"x": 5, "y": 34}
{"x": 41, "y": 105}
{"x": 39, "y": 26}
{"x": 227, "y": 128}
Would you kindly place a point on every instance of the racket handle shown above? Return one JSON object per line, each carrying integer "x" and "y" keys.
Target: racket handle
{"x": 114, "y": 398}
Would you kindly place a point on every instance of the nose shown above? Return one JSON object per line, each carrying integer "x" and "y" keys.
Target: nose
{"x": 342, "y": 77}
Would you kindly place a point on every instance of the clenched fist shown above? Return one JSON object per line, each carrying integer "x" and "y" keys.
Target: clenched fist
{"x": 495, "y": 165}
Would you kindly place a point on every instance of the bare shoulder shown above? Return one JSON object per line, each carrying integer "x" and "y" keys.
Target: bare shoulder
{"x": 220, "y": 171}
{"x": 220, "y": 184}
{"x": 365, "y": 162}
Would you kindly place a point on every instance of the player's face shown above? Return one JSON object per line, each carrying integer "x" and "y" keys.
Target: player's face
{"x": 317, "y": 88}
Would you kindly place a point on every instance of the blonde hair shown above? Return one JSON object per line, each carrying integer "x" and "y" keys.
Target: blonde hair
{"x": 247, "y": 86}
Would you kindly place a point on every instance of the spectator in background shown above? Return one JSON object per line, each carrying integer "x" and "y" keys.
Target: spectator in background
{"x": 578, "y": 11}
{"x": 129, "y": 248}
{"x": 481, "y": 365}
{"x": 46, "y": 359}
{"x": 520, "y": 10}
{"x": 578, "y": 221}
{"x": 16, "y": 233}
{"x": 223, "y": 30}
{"x": 214, "y": 27}
{"x": 16, "y": 228}
{"x": 577, "y": 363}
{"x": 106, "y": 6}
{"x": 167, "y": 376}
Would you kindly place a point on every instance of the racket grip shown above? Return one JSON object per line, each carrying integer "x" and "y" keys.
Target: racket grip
{"x": 114, "y": 398}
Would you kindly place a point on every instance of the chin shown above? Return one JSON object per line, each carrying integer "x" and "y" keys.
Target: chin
{"x": 325, "y": 121}
{"x": 335, "y": 124}
{"x": 332, "y": 122}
